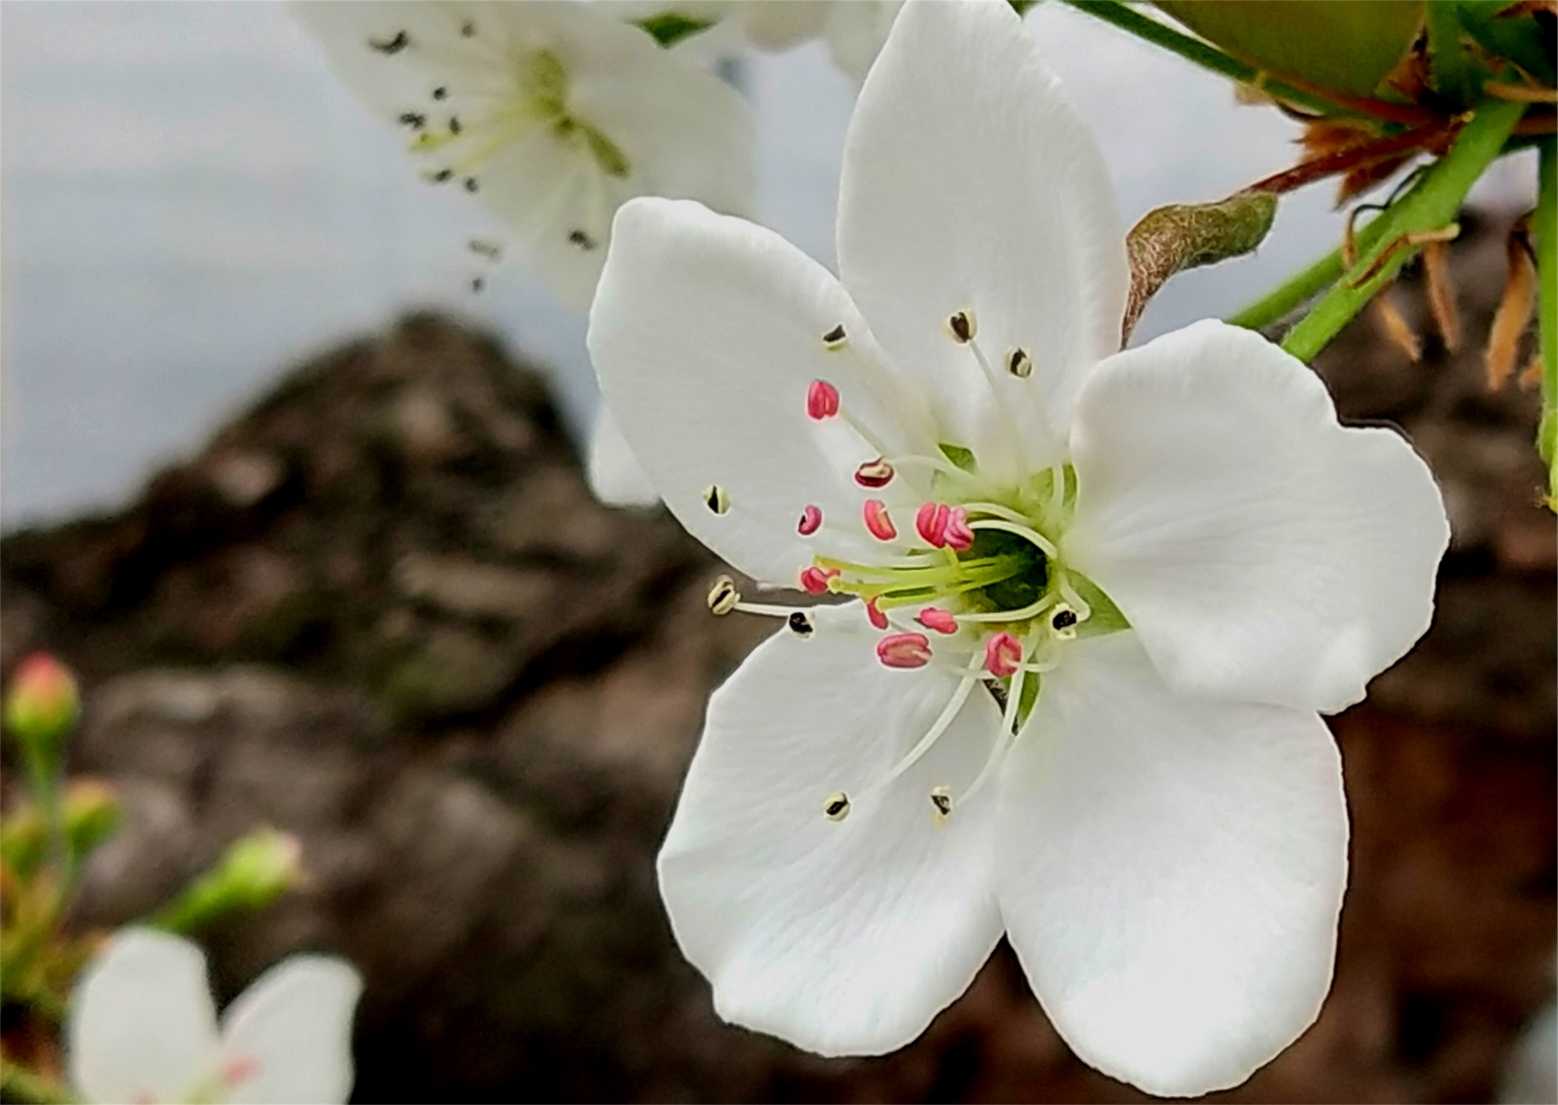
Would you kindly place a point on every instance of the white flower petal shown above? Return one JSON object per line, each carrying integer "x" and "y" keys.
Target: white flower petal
{"x": 290, "y": 1033}
{"x": 679, "y": 130}
{"x": 1261, "y": 550}
{"x": 856, "y": 31}
{"x": 706, "y": 333}
{"x": 1170, "y": 871}
{"x": 142, "y": 1025}
{"x": 968, "y": 182}
{"x": 616, "y": 478}
{"x": 841, "y": 937}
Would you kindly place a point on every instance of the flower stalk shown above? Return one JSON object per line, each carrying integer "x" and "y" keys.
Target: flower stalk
{"x": 1431, "y": 204}
{"x": 1544, "y": 226}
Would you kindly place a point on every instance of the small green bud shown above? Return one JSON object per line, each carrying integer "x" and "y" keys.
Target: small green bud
{"x": 254, "y": 871}
{"x": 43, "y": 704}
{"x": 92, "y": 814}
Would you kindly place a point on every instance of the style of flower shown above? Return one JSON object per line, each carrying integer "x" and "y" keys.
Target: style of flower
{"x": 553, "y": 113}
{"x": 143, "y": 1028}
{"x": 1098, "y": 596}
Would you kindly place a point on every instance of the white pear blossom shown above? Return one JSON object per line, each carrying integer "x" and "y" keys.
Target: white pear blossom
{"x": 553, "y": 113}
{"x": 854, "y": 30}
{"x": 143, "y": 1028}
{"x": 1098, "y": 596}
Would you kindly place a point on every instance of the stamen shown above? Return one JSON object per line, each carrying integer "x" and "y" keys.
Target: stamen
{"x": 1019, "y": 364}
{"x": 1003, "y": 655}
{"x": 874, "y": 473}
{"x": 581, "y": 239}
{"x": 442, "y": 176}
{"x": 942, "y": 526}
{"x": 483, "y": 248}
{"x": 943, "y": 720}
{"x": 874, "y": 614}
{"x": 470, "y": 184}
{"x": 1071, "y": 595}
{"x": 941, "y": 799}
{"x": 716, "y": 498}
{"x": 391, "y": 46}
{"x": 814, "y": 580}
{"x": 723, "y": 596}
{"x": 835, "y": 338}
{"x": 468, "y": 29}
{"x": 877, "y": 521}
{"x": 904, "y": 650}
{"x": 1063, "y": 622}
{"x": 1004, "y": 741}
{"x": 441, "y": 92}
{"x": 822, "y": 400}
{"x": 1021, "y": 614}
{"x": 413, "y": 119}
{"x": 800, "y": 623}
{"x": 1057, "y": 491}
{"x": 454, "y": 125}
{"x": 962, "y": 326}
{"x": 811, "y": 520}
{"x": 836, "y": 808}
{"x": 934, "y": 617}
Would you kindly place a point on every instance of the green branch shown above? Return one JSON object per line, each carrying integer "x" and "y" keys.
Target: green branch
{"x": 1303, "y": 286}
{"x": 1431, "y": 204}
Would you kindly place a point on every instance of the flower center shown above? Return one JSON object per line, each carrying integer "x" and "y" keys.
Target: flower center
{"x": 976, "y": 586}
{"x": 515, "y": 95}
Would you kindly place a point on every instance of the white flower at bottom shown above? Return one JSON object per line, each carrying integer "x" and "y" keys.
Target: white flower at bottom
{"x": 143, "y": 1028}
{"x": 1162, "y": 562}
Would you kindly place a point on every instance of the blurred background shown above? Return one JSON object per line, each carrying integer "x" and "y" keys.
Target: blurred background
{"x": 268, "y": 478}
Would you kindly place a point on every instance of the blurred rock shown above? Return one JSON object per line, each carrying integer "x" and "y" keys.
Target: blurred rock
{"x": 382, "y": 612}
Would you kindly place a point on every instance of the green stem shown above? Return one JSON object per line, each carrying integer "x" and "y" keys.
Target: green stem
{"x": 1205, "y": 55}
{"x": 1447, "y": 57}
{"x": 1544, "y": 227}
{"x": 1300, "y": 288}
{"x": 1431, "y": 204}
{"x": 20, "y": 1084}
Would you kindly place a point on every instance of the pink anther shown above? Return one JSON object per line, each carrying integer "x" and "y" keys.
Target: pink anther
{"x": 874, "y": 614}
{"x": 811, "y": 520}
{"x": 1003, "y": 653}
{"x": 822, "y": 400}
{"x": 904, "y": 650}
{"x": 877, "y": 520}
{"x": 874, "y": 473}
{"x": 944, "y": 527}
{"x": 814, "y": 580}
{"x": 934, "y": 617}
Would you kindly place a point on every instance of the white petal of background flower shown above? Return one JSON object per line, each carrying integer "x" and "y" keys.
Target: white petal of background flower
{"x": 969, "y": 183}
{"x": 680, "y": 130}
{"x": 1260, "y": 550}
{"x": 841, "y": 937}
{"x": 706, "y": 332}
{"x": 1170, "y": 871}
{"x": 142, "y": 1026}
{"x": 292, "y": 1031}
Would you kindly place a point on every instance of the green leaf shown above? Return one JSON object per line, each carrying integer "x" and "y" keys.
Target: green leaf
{"x": 1520, "y": 40}
{"x": 963, "y": 458}
{"x": 1348, "y": 46}
{"x": 1181, "y": 236}
{"x": 670, "y": 27}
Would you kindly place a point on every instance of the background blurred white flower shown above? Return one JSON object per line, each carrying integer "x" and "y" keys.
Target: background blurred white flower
{"x": 143, "y": 1028}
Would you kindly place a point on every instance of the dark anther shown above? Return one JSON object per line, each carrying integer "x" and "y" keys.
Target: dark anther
{"x": 440, "y": 93}
{"x": 483, "y": 248}
{"x": 800, "y": 623}
{"x": 413, "y": 119}
{"x": 837, "y": 806}
{"x": 468, "y": 29}
{"x": 454, "y": 124}
{"x": 835, "y": 335}
{"x": 470, "y": 184}
{"x": 942, "y": 801}
{"x": 392, "y": 46}
{"x": 581, "y": 239}
{"x": 443, "y": 175}
{"x": 1064, "y": 619}
{"x": 962, "y": 325}
{"x": 478, "y": 284}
